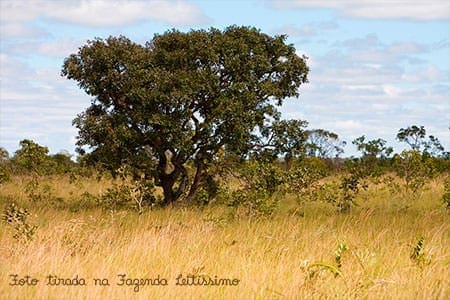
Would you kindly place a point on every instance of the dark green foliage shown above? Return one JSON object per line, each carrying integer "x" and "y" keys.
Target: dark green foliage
{"x": 61, "y": 163}
{"x": 375, "y": 159}
{"x": 207, "y": 192}
{"x": 181, "y": 98}
{"x": 37, "y": 191}
{"x": 413, "y": 135}
{"x": 5, "y": 174}
{"x": 373, "y": 148}
{"x": 32, "y": 157}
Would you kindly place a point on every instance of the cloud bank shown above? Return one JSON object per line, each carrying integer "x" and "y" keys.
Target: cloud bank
{"x": 376, "y": 9}
{"x": 103, "y": 13}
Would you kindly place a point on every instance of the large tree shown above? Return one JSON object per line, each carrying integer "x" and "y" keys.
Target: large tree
{"x": 181, "y": 99}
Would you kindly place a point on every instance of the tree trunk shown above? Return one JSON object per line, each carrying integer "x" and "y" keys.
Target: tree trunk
{"x": 196, "y": 183}
{"x": 167, "y": 185}
{"x": 167, "y": 179}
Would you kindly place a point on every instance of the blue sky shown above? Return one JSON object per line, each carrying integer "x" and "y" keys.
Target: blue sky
{"x": 375, "y": 66}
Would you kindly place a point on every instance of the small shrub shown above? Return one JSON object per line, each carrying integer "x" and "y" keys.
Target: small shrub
{"x": 5, "y": 176}
{"x": 313, "y": 269}
{"x": 260, "y": 181}
{"x": 207, "y": 193}
{"x": 304, "y": 182}
{"x": 17, "y": 218}
{"x": 128, "y": 192}
{"x": 418, "y": 255}
{"x": 414, "y": 168}
{"x": 38, "y": 191}
{"x": 350, "y": 187}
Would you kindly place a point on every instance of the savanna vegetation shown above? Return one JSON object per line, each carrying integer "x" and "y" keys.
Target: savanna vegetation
{"x": 187, "y": 174}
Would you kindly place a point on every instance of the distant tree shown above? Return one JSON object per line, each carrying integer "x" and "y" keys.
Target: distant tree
{"x": 416, "y": 138}
{"x": 433, "y": 147}
{"x": 324, "y": 144}
{"x": 413, "y": 135}
{"x": 373, "y": 148}
{"x": 375, "y": 156}
{"x": 62, "y": 162}
{"x": 283, "y": 137}
{"x": 182, "y": 98}
{"x": 31, "y": 156}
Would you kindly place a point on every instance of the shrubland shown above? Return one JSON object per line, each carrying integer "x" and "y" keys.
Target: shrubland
{"x": 311, "y": 231}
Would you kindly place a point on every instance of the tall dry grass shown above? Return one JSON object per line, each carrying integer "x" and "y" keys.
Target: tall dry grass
{"x": 291, "y": 255}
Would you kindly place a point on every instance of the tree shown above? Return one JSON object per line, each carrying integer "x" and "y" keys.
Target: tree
{"x": 32, "y": 156}
{"x": 61, "y": 162}
{"x": 283, "y": 137}
{"x": 416, "y": 138}
{"x": 182, "y": 98}
{"x": 324, "y": 144}
{"x": 414, "y": 168}
{"x": 412, "y": 135}
{"x": 372, "y": 149}
{"x": 374, "y": 155}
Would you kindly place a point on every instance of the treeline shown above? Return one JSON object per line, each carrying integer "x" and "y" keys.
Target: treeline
{"x": 319, "y": 147}
{"x": 262, "y": 176}
{"x": 34, "y": 159}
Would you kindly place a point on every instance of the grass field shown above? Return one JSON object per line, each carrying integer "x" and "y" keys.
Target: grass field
{"x": 391, "y": 246}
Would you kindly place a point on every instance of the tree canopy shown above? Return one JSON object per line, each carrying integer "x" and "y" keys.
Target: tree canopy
{"x": 181, "y": 98}
{"x": 415, "y": 137}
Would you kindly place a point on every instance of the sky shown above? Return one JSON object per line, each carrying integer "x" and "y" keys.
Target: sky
{"x": 375, "y": 65}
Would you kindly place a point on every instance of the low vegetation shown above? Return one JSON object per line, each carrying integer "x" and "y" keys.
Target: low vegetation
{"x": 313, "y": 231}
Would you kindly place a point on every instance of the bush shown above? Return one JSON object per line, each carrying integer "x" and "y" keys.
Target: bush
{"x": 17, "y": 218}
{"x": 129, "y": 192}
{"x": 414, "y": 169}
{"x": 5, "y": 175}
{"x": 260, "y": 181}
{"x": 303, "y": 181}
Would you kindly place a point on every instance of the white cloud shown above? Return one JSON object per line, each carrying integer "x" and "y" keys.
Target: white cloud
{"x": 109, "y": 13}
{"x": 51, "y": 48}
{"x": 348, "y": 125}
{"x": 103, "y": 12}
{"x": 309, "y": 29}
{"x": 407, "y": 47}
{"x": 366, "y": 86}
{"x": 37, "y": 104}
{"x": 22, "y": 30}
{"x": 377, "y": 9}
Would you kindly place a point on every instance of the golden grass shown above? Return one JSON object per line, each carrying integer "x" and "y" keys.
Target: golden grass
{"x": 272, "y": 257}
